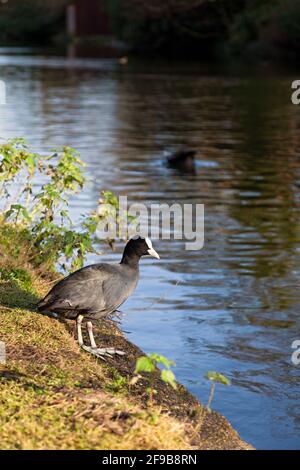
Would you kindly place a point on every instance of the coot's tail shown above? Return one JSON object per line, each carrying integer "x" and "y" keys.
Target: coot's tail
{"x": 41, "y": 306}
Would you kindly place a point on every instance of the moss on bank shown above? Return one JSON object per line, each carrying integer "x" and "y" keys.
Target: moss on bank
{"x": 55, "y": 396}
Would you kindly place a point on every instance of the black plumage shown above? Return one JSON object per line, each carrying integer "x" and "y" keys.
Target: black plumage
{"x": 98, "y": 290}
{"x": 94, "y": 291}
{"x": 183, "y": 160}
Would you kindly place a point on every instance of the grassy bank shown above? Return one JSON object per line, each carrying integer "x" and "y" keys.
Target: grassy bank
{"x": 55, "y": 396}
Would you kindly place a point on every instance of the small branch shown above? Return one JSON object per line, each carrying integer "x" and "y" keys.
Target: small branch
{"x": 211, "y": 395}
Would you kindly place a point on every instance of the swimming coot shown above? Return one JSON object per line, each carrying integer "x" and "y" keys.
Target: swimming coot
{"x": 98, "y": 290}
{"x": 183, "y": 159}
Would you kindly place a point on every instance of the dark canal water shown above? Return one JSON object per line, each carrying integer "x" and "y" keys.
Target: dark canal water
{"x": 234, "y": 306}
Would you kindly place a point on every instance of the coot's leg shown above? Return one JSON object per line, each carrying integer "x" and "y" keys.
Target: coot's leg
{"x": 79, "y": 330}
{"x": 99, "y": 352}
{"x": 90, "y": 330}
{"x": 108, "y": 352}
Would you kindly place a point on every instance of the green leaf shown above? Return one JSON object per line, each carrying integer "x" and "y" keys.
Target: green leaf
{"x": 159, "y": 359}
{"x": 150, "y": 390}
{"x": 144, "y": 364}
{"x": 168, "y": 377}
{"x": 30, "y": 161}
{"x": 217, "y": 377}
{"x": 17, "y": 209}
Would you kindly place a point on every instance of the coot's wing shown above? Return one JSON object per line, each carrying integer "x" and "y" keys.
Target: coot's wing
{"x": 117, "y": 289}
{"x": 81, "y": 291}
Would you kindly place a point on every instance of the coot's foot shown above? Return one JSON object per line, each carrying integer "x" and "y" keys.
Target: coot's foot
{"x": 103, "y": 352}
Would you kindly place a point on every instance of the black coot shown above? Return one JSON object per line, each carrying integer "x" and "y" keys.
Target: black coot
{"x": 98, "y": 290}
{"x": 183, "y": 159}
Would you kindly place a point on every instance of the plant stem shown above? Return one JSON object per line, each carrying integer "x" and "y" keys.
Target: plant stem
{"x": 211, "y": 395}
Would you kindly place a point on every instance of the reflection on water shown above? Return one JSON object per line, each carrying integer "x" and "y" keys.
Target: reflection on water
{"x": 234, "y": 306}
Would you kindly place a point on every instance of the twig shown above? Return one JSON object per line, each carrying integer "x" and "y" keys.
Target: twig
{"x": 211, "y": 395}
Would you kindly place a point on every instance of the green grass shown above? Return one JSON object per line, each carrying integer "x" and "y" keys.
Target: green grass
{"x": 55, "y": 396}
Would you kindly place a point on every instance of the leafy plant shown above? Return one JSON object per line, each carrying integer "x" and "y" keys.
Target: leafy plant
{"x": 215, "y": 377}
{"x": 40, "y": 214}
{"x": 109, "y": 213}
{"x": 148, "y": 365}
{"x": 18, "y": 275}
{"x": 31, "y": 21}
{"x": 118, "y": 383}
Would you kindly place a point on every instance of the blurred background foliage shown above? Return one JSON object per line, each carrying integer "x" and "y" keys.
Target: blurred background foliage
{"x": 260, "y": 28}
{"x": 28, "y": 22}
